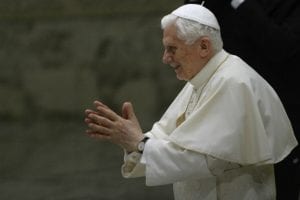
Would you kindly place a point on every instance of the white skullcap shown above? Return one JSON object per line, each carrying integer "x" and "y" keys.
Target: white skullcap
{"x": 197, "y": 13}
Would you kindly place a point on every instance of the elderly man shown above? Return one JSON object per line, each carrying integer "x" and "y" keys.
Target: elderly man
{"x": 223, "y": 132}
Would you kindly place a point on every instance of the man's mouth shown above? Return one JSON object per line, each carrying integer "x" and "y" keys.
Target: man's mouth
{"x": 175, "y": 66}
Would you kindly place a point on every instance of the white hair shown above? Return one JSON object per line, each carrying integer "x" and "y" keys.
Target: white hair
{"x": 190, "y": 31}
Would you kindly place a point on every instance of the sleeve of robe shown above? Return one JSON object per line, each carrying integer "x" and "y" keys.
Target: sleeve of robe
{"x": 168, "y": 163}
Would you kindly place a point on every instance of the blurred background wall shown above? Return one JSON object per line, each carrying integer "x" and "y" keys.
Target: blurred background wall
{"x": 57, "y": 56}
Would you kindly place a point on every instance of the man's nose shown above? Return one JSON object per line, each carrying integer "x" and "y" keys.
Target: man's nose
{"x": 167, "y": 58}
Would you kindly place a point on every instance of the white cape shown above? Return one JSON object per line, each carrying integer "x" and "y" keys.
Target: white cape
{"x": 238, "y": 118}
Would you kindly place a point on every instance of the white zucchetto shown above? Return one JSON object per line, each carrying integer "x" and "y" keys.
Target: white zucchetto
{"x": 197, "y": 13}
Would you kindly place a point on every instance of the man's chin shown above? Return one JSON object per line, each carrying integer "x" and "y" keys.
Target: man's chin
{"x": 181, "y": 78}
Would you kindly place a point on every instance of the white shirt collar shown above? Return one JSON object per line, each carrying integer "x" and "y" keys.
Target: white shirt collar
{"x": 208, "y": 70}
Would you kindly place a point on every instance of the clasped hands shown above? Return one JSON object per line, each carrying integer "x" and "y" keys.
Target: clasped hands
{"x": 123, "y": 130}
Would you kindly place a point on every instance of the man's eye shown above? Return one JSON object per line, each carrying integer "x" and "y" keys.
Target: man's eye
{"x": 171, "y": 49}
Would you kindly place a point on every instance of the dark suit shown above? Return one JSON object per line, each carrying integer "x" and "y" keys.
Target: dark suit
{"x": 266, "y": 34}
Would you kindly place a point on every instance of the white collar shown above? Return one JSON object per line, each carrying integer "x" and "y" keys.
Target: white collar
{"x": 209, "y": 69}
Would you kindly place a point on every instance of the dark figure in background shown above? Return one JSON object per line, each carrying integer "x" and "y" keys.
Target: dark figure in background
{"x": 266, "y": 34}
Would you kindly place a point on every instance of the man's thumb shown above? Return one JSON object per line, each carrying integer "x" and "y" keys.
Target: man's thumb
{"x": 128, "y": 111}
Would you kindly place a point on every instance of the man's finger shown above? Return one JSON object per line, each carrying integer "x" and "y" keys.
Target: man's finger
{"x": 96, "y": 135}
{"x": 99, "y": 128}
{"x": 99, "y": 103}
{"x": 87, "y": 120}
{"x": 107, "y": 113}
{"x": 89, "y": 111}
{"x": 99, "y": 120}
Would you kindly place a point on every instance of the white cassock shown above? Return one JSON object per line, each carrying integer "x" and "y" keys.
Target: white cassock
{"x": 235, "y": 129}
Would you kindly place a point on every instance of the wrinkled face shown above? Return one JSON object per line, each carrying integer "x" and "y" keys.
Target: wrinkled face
{"x": 184, "y": 59}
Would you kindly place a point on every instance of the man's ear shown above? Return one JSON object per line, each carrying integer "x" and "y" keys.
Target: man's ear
{"x": 204, "y": 46}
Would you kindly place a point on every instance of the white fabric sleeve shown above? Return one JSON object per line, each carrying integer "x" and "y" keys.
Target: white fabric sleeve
{"x": 167, "y": 163}
{"x": 132, "y": 167}
{"x": 236, "y": 3}
{"x": 164, "y": 162}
